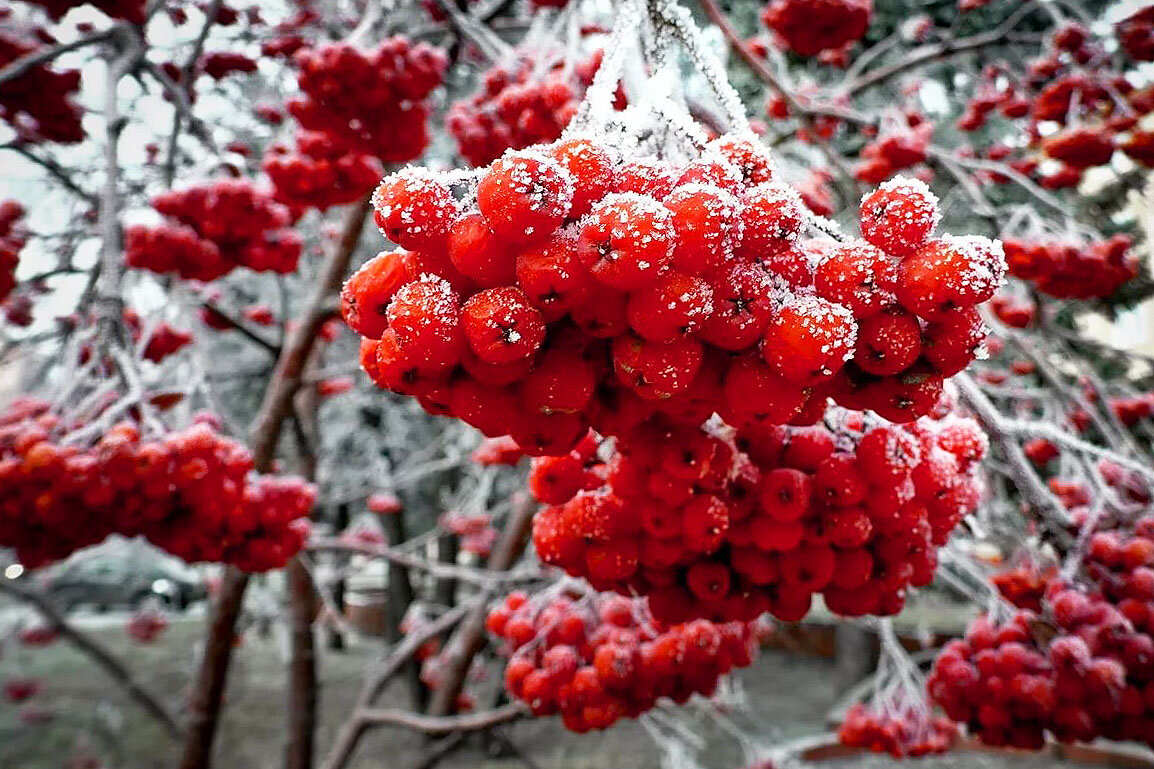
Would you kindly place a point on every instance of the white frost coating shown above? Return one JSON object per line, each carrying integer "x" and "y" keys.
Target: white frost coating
{"x": 925, "y": 202}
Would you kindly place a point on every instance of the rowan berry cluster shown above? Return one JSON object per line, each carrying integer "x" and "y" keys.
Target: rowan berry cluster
{"x": 708, "y": 523}
{"x": 1079, "y": 668}
{"x": 214, "y": 228}
{"x": 809, "y": 27}
{"x": 190, "y": 492}
{"x": 163, "y": 339}
{"x": 1069, "y": 269}
{"x": 220, "y": 64}
{"x": 37, "y": 105}
{"x": 320, "y": 172}
{"x": 518, "y": 106}
{"x": 1136, "y": 35}
{"x": 901, "y": 734}
{"x": 145, "y": 626}
{"x": 596, "y": 659}
{"x": 12, "y": 241}
{"x": 370, "y": 101}
{"x": 896, "y": 150}
{"x": 585, "y": 290}
{"x": 129, "y": 10}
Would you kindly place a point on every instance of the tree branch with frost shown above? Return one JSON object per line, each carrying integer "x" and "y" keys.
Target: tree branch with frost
{"x": 998, "y": 428}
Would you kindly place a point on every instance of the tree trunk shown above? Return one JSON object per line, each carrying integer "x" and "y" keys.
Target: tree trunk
{"x": 398, "y": 599}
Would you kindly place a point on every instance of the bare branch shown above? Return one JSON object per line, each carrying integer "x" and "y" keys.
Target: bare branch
{"x": 116, "y": 670}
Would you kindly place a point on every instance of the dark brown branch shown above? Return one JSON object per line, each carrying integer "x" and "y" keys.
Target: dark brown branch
{"x": 208, "y": 691}
{"x": 116, "y": 670}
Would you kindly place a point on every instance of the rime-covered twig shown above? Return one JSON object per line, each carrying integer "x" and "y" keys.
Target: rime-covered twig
{"x": 1027, "y": 481}
{"x": 55, "y": 170}
{"x": 433, "y": 568}
{"x": 353, "y": 727}
{"x": 934, "y": 52}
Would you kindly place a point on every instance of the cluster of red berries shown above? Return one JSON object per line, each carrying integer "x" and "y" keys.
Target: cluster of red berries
{"x": 1136, "y": 35}
{"x": 585, "y": 290}
{"x": 901, "y": 733}
{"x": 215, "y": 228}
{"x": 895, "y": 151}
{"x": 190, "y": 492}
{"x": 220, "y": 64}
{"x": 518, "y": 106}
{"x": 370, "y": 101}
{"x": 1068, "y": 269}
{"x": 12, "y": 241}
{"x": 596, "y": 659}
{"x": 129, "y": 10}
{"x": 320, "y": 172}
{"x": 724, "y": 526}
{"x": 808, "y": 27}
{"x": 163, "y": 339}
{"x": 146, "y": 625}
{"x": 1014, "y": 311}
{"x": 37, "y": 105}
{"x": 1081, "y": 667}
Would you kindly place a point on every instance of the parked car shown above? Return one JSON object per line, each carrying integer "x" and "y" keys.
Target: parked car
{"x": 123, "y": 574}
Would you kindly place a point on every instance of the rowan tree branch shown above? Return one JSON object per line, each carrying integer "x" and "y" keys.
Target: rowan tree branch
{"x": 120, "y": 673}
{"x": 208, "y": 691}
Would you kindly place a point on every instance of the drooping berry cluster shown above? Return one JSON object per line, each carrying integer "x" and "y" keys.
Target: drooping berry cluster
{"x": 895, "y": 150}
{"x": 371, "y": 101}
{"x": 518, "y": 106}
{"x": 37, "y": 105}
{"x": 1068, "y": 269}
{"x": 1136, "y": 35}
{"x": 220, "y": 64}
{"x": 585, "y": 290}
{"x": 808, "y": 27}
{"x": 1078, "y": 669}
{"x": 599, "y": 658}
{"x": 190, "y": 492}
{"x": 12, "y": 241}
{"x": 898, "y": 733}
{"x": 163, "y": 339}
{"x": 320, "y": 172}
{"x": 129, "y": 10}
{"x": 213, "y": 229}
{"x": 708, "y": 524}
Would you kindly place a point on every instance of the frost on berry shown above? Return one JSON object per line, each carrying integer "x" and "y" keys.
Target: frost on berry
{"x": 587, "y": 289}
{"x": 899, "y": 215}
{"x": 525, "y": 195}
